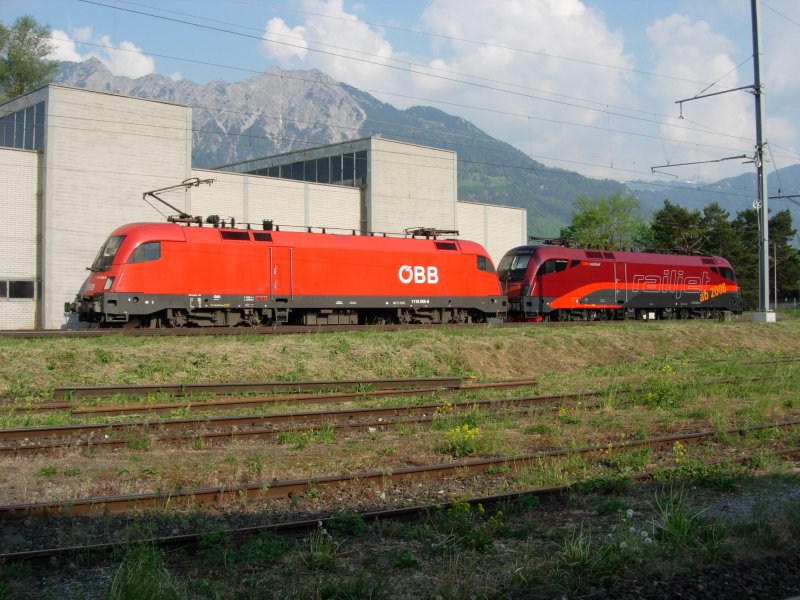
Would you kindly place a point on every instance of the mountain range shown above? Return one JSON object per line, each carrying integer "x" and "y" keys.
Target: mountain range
{"x": 280, "y": 111}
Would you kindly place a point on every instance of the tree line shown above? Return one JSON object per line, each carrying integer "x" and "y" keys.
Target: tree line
{"x": 615, "y": 223}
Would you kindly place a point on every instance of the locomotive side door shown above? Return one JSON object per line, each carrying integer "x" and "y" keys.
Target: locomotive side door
{"x": 281, "y": 284}
{"x": 620, "y": 282}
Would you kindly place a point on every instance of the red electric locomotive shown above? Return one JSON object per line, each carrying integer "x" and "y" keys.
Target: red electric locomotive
{"x": 165, "y": 274}
{"x": 559, "y": 284}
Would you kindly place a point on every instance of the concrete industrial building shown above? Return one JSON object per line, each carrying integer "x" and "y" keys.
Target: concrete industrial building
{"x": 76, "y": 163}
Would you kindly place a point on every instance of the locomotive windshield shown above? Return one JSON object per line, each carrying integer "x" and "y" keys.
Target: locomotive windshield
{"x": 512, "y": 267}
{"x": 107, "y": 253}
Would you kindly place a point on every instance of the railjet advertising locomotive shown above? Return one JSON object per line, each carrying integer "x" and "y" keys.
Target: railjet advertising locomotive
{"x": 557, "y": 283}
{"x": 175, "y": 275}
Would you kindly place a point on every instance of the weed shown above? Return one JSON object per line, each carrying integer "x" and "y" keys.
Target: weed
{"x": 679, "y": 529}
{"x": 255, "y": 464}
{"x": 323, "y": 550}
{"x": 627, "y": 460}
{"x": 348, "y": 523}
{"x": 501, "y": 469}
{"x": 361, "y": 587}
{"x": 463, "y": 441}
{"x": 103, "y": 355}
{"x": 610, "y": 484}
{"x": 402, "y": 558}
{"x": 48, "y": 471}
{"x": 265, "y": 548}
{"x": 568, "y": 417}
{"x": 142, "y": 574}
{"x": 460, "y": 526}
{"x": 581, "y": 559}
{"x": 139, "y": 444}
{"x": 539, "y": 429}
{"x": 72, "y": 472}
{"x": 216, "y": 549}
{"x": 10, "y": 574}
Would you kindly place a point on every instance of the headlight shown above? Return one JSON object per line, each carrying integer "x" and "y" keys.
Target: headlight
{"x": 109, "y": 283}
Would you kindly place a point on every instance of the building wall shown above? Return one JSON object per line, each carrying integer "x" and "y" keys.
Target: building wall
{"x": 19, "y": 215}
{"x": 410, "y": 186}
{"x": 253, "y": 198}
{"x": 497, "y": 228}
{"x": 102, "y": 152}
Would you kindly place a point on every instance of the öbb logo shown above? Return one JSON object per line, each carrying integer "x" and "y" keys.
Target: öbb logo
{"x": 418, "y": 274}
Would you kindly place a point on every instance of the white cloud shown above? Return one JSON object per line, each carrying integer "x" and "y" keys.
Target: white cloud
{"x": 334, "y": 32}
{"x": 63, "y": 47}
{"x": 521, "y": 40}
{"x": 689, "y": 49}
{"x": 283, "y": 43}
{"x": 125, "y": 59}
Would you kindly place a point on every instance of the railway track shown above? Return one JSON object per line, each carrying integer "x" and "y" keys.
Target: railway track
{"x": 383, "y": 389}
{"x": 19, "y": 441}
{"x": 224, "y": 495}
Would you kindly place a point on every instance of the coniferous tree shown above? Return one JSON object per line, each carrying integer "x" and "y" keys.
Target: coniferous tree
{"x": 676, "y": 229}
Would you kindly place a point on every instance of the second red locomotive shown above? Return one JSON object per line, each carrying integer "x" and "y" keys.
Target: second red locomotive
{"x": 559, "y": 284}
{"x": 165, "y": 274}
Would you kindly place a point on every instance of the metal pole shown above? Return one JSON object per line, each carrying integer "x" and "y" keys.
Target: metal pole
{"x": 775, "y": 272}
{"x": 764, "y": 314}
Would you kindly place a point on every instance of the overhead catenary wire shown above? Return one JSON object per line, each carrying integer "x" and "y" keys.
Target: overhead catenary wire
{"x": 446, "y": 103}
{"x": 707, "y": 130}
{"x": 397, "y": 67}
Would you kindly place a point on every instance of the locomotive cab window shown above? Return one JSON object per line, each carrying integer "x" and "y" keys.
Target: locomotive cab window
{"x": 146, "y": 252}
{"x": 105, "y": 257}
{"x": 484, "y": 264}
{"x": 513, "y": 266}
{"x": 260, "y": 236}
{"x": 727, "y": 273}
{"x": 554, "y": 265}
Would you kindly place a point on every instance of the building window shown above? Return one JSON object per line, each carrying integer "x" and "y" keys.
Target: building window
{"x": 361, "y": 167}
{"x": 324, "y": 170}
{"x": 310, "y": 171}
{"x": 336, "y": 169}
{"x": 23, "y": 129}
{"x": 342, "y": 169}
{"x": 23, "y": 289}
{"x": 348, "y": 169}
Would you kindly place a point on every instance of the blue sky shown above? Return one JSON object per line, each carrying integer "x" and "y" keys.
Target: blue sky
{"x": 585, "y": 85}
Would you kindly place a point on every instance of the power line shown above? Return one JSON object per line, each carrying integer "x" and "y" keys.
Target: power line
{"x": 418, "y": 32}
{"x": 395, "y": 67}
{"x": 431, "y": 100}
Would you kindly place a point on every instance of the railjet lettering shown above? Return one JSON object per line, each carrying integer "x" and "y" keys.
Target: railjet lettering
{"x": 671, "y": 282}
{"x": 418, "y": 274}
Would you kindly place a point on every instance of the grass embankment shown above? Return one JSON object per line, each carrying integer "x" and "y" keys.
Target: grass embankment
{"x": 33, "y": 367}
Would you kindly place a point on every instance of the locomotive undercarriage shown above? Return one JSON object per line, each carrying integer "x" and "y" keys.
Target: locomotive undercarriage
{"x": 634, "y": 314}
{"x": 152, "y": 312}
